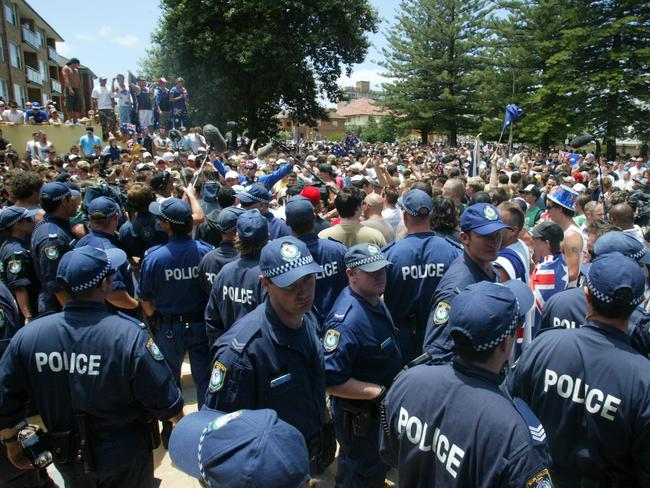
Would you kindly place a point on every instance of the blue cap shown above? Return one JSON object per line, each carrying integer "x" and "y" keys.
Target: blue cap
{"x": 84, "y": 267}
{"x": 564, "y": 196}
{"x": 36, "y": 105}
{"x": 227, "y": 218}
{"x": 626, "y": 244}
{"x": 416, "y": 203}
{"x": 173, "y": 210}
{"x": 245, "y": 448}
{"x": 299, "y": 209}
{"x": 102, "y": 207}
{"x": 482, "y": 218}
{"x": 615, "y": 278}
{"x": 56, "y": 191}
{"x": 210, "y": 191}
{"x": 12, "y": 215}
{"x": 252, "y": 226}
{"x": 366, "y": 257}
{"x": 486, "y": 313}
{"x": 286, "y": 260}
{"x": 254, "y": 194}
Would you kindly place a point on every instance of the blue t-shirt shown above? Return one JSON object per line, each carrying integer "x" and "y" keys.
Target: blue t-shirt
{"x": 87, "y": 143}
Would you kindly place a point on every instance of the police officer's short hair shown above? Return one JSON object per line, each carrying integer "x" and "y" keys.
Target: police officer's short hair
{"x": 49, "y": 205}
{"x": 620, "y": 308}
{"x": 463, "y": 347}
{"x": 180, "y": 229}
{"x": 348, "y": 201}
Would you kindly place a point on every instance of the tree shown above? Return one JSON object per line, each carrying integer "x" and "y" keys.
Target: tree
{"x": 434, "y": 63}
{"x": 246, "y": 60}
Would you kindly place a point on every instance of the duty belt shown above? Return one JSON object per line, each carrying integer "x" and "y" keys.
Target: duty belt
{"x": 183, "y": 318}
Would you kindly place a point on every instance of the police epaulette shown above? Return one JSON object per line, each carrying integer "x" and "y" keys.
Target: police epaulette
{"x": 424, "y": 358}
{"x": 454, "y": 243}
{"x": 152, "y": 249}
{"x": 132, "y": 319}
{"x": 535, "y": 426}
{"x": 388, "y": 246}
{"x": 335, "y": 240}
{"x": 241, "y": 340}
{"x": 337, "y": 317}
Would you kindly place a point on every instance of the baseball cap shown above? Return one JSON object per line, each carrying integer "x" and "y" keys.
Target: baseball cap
{"x": 56, "y": 191}
{"x": 482, "y": 218}
{"x": 240, "y": 449}
{"x": 532, "y": 189}
{"x": 416, "y": 203}
{"x": 84, "y": 267}
{"x": 36, "y": 105}
{"x": 102, "y": 207}
{"x": 254, "y": 194}
{"x": 626, "y": 244}
{"x": 310, "y": 159}
{"x": 227, "y": 218}
{"x": 250, "y": 165}
{"x": 486, "y": 313}
{"x": 232, "y": 174}
{"x": 252, "y": 226}
{"x": 287, "y": 259}
{"x": 311, "y": 193}
{"x": 367, "y": 257}
{"x": 12, "y": 215}
{"x": 299, "y": 209}
{"x": 173, "y": 210}
{"x": 359, "y": 181}
{"x": 549, "y": 231}
{"x": 564, "y": 196}
{"x": 616, "y": 279}
{"x": 168, "y": 156}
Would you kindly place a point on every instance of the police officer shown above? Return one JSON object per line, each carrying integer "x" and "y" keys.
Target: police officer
{"x": 225, "y": 251}
{"x": 51, "y": 239}
{"x": 450, "y": 425}
{"x": 481, "y": 227}
{"x": 237, "y": 289}
{"x": 361, "y": 359}
{"x": 103, "y": 213}
{"x": 590, "y": 388}
{"x": 97, "y": 380}
{"x": 16, "y": 265}
{"x": 420, "y": 260}
{"x": 169, "y": 284}
{"x": 257, "y": 197}
{"x": 272, "y": 357}
{"x": 326, "y": 252}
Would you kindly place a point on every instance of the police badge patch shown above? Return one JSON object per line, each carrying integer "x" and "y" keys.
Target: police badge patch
{"x": 441, "y": 313}
{"x": 217, "y": 377}
{"x": 289, "y": 252}
{"x": 223, "y": 420}
{"x": 15, "y": 266}
{"x": 331, "y": 340}
{"x": 540, "y": 480}
{"x": 490, "y": 214}
{"x": 51, "y": 252}
{"x": 373, "y": 250}
{"x": 152, "y": 347}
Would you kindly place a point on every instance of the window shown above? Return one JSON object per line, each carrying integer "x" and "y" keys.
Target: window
{"x": 335, "y": 123}
{"x": 4, "y": 92}
{"x": 2, "y": 51}
{"x": 19, "y": 95}
{"x": 14, "y": 56}
{"x": 42, "y": 70}
{"x": 10, "y": 13}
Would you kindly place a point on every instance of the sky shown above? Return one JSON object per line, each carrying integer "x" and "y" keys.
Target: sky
{"x": 112, "y": 37}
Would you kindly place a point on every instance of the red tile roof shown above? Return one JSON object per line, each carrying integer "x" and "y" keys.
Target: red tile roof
{"x": 361, "y": 106}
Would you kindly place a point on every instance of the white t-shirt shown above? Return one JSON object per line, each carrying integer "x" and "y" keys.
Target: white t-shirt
{"x": 17, "y": 117}
{"x": 103, "y": 96}
{"x": 196, "y": 141}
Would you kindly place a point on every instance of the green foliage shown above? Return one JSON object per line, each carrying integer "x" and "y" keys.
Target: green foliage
{"x": 335, "y": 137}
{"x": 246, "y": 60}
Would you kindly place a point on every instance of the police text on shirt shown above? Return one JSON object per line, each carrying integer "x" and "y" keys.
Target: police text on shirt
{"x": 418, "y": 272}
{"x": 77, "y": 362}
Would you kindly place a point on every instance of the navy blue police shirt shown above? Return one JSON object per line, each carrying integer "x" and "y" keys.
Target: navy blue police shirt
{"x": 591, "y": 390}
{"x": 212, "y": 263}
{"x": 462, "y": 272}
{"x": 17, "y": 269}
{"x": 140, "y": 234}
{"x": 51, "y": 239}
{"x": 277, "y": 227}
{"x": 237, "y": 290}
{"x": 9, "y": 318}
{"x": 450, "y": 425}
{"x": 169, "y": 276}
{"x": 329, "y": 253}
{"x": 262, "y": 363}
{"x": 85, "y": 359}
{"x": 420, "y": 261}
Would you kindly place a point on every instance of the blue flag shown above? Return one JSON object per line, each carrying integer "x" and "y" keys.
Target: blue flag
{"x": 513, "y": 112}
{"x": 337, "y": 150}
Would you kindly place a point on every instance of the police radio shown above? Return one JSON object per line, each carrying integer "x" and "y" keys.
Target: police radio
{"x": 31, "y": 439}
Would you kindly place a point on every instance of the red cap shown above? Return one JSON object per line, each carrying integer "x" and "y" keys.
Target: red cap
{"x": 578, "y": 176}
{"x": 311, "y": 193}
{"x": 250, "y": 165}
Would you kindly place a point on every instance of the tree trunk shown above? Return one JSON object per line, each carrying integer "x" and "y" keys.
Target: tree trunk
{"x": 545, "y": 143}
{"x": 452, "y": 137}
{"x": 424, "y": 136}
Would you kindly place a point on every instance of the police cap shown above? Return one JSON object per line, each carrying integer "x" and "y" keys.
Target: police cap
{"x": 285, "y": 260}
{"x": 85, "y": 267}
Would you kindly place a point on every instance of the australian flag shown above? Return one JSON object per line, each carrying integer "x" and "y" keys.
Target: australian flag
{"x": 338, "y": 151}
{"x": 551, "y": 276}
{"x": 351, "y": 140}
{"x": 513, "y": 112}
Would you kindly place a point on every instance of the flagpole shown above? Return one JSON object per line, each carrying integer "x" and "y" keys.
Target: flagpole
{"x": 510, "y": 138}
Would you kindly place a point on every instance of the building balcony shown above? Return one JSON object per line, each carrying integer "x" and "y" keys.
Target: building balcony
{"x": 56, "y": 86}
{"x": 34, "y": 76}
{"x": 52, "y": 54}
{"x": 31, "y": 38}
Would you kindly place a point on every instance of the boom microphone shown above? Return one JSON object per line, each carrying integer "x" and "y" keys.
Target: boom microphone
{"x": 581, "y": 140}
{"x": 214, "y": 138}
{"x": 266, "y": 150}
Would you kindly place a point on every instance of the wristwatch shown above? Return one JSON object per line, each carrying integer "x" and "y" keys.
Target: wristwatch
{"x": 4, "y": 441}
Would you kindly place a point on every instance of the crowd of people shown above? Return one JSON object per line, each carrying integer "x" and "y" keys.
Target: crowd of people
{"x": 468, "y": 322}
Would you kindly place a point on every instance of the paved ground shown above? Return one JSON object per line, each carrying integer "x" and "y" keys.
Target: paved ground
{"x": 170, "y": 477}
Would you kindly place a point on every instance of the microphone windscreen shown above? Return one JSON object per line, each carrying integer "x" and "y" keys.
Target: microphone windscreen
{"x": 265, "y": 150}
{"x": 214, "y": 138}
{"x": 581, "y": 140}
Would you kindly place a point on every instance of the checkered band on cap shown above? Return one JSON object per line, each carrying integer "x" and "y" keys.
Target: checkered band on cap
{"x": 203, "y": 434}
{"x": 15, "y": 221}
{"x": 606, "y": 298}
{"x": 228, "y": 229}
{"x": 639, "y": 254}
{"x": 412, "y": 213}
{"x": 95, "y": 281}
{"x": 285, "y": 268}
{"x": 363, "y": 261}
{"x": 253, "y": 197}
{"x": 60, "y": 197}
{"x": 508, "y": 332}
{"x": 177, "y": 222}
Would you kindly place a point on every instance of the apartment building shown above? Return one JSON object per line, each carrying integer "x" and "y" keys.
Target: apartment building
{"x": 30, "y": 67}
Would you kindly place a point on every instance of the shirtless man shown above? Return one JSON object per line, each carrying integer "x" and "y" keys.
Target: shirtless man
{"x": 561, "y": 209}
{"x": 72, "y": 83}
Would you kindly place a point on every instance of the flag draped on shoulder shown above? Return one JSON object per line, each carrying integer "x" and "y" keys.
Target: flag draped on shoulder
{"x": 551, "y": 276}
